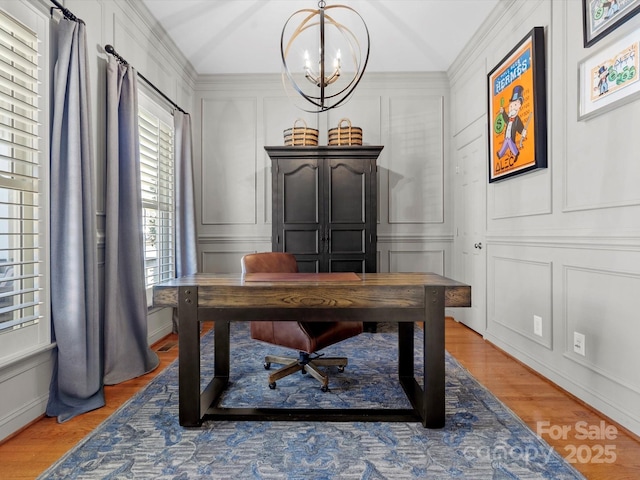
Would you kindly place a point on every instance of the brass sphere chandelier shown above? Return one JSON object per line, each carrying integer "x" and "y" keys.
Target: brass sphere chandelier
{"x": 324, "y": 85}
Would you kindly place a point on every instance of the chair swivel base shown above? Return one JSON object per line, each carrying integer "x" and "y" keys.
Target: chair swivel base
{"x": 303, "y": 364}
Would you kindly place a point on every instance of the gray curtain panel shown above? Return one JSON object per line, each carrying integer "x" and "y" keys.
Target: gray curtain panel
{"x": 186, "y": 235}
{"x": 127, "y": 354}
{"x": 76, "y": 385}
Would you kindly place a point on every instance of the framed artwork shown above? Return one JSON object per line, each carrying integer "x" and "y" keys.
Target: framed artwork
{"x": 601, "y": 17}
{"x": 517, "y": 110}
{"x": 610, "y": 77}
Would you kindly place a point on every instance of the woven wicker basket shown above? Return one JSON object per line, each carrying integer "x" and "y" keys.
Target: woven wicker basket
{"x": 345, "y": 135}
{"x": 300, "y": 136}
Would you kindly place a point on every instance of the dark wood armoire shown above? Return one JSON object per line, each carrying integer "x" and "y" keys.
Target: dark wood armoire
{"x": 325, "y": 206}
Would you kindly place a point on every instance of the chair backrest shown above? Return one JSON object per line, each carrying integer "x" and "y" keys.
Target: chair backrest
{"x": 269, "y": 262}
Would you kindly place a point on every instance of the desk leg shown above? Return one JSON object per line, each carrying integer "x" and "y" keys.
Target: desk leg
{"x": 222, "y": 350}
{"x": 213, "y": 391}
{"x": 434, "y": 377}
{"x": 188, "y": 357}
{"x": 405, "y": 350}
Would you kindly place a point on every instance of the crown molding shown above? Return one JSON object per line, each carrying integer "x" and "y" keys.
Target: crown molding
{"x": 162, "y": 37}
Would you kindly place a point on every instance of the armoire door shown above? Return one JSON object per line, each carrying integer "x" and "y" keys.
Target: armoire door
{"x": 298, "y": 211}
{"x": 349, "y": 212}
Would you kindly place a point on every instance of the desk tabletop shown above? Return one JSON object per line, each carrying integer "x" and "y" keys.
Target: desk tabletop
{"x": 229, "y": 290}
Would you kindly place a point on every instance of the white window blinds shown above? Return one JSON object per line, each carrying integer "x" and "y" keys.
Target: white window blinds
{"x": 21, "y": 255}
{"x": 156, "y": 169}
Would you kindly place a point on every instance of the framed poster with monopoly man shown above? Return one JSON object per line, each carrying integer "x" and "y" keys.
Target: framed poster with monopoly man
{"x": 517, "y": 110}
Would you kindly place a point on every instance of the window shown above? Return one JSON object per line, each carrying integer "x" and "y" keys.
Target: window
{"x": 23, "y": 193}
{"x": 156, "y": 176}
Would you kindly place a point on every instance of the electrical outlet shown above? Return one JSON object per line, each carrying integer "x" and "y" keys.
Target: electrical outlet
{"x": 537, "y": 325}
{"x": 579, "y": 343}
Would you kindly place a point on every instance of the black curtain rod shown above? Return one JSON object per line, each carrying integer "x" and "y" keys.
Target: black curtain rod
{"x": 112, "y": 51}
{"x": 66, "y": 12}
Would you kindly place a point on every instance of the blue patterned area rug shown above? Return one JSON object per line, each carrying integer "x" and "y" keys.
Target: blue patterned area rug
{"x": 482, "y": 438}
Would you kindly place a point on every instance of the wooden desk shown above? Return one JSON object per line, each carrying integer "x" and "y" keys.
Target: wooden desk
{"x": 403, "y": 298}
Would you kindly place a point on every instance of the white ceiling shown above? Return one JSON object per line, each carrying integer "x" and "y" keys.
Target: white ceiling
{"x": 243, "y": 36}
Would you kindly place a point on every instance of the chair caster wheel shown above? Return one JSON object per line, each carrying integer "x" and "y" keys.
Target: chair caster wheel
{"x": 272, "y": 385}
{"x": 266, "y": 365}
{"x": 341, "y": 368}
{"x": 324, "y": 388}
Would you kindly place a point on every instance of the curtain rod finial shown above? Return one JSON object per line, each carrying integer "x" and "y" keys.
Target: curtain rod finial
{"x": 109, "y": 49}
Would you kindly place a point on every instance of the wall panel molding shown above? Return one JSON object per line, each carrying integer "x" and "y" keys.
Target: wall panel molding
{"x": 526, "y": 195}
{"x": 416, "y": 159}
{"x": 229, "y": 163}
{"x": 578, "y": 242}
{"x": 601, "y": 304}
{"x": 223, "y": 262}
{"x": 417, "y": 261}
{"x": 232, "y": 239}
{"x": 521, "y": 288}
{"x": 408, "y": 238}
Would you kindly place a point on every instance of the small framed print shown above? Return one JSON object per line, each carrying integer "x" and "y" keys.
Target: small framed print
{"x": 517, "y": 110}
{"x": 610, "y": 77}
{"x": 601, "y": 17}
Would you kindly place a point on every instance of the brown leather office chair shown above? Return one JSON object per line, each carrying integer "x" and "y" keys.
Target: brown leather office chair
{"x": 307, "y": 337}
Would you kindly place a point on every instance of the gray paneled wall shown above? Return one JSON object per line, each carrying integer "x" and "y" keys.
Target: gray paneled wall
{"x": 405, "y": 113}
{"x": 563, "y": 243}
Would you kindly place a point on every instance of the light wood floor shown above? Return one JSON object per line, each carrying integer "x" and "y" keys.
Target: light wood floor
{"x": 30, "y": 452}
